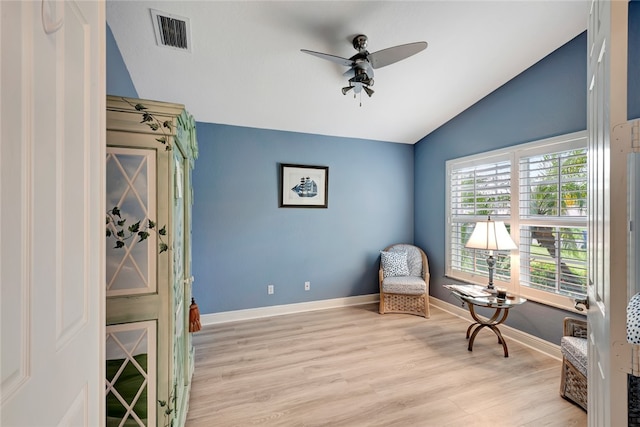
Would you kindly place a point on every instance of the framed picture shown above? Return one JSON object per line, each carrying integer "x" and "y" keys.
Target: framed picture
{"x": 303, "y": 186}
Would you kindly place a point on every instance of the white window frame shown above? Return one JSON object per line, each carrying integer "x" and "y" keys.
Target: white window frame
{"x": 572, "y": 141}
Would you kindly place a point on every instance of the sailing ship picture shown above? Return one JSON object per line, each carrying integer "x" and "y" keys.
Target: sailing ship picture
{"x": 306, "y": 188}
{"x": 303, "y": 186}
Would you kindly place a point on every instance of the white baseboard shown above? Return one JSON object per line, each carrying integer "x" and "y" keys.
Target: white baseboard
{"x": 277, "y": 310}
{"x": 523, "y": 338}
{"x": 533, "y": 342}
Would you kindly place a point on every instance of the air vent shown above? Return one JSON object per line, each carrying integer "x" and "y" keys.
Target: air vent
{"x": 171, "y": 31}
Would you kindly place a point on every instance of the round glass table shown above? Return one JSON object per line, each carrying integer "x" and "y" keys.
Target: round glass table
{"x": 475, "y": 296}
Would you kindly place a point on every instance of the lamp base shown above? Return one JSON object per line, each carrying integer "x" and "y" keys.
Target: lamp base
{"x": 491, "y": 263}
{"x": 491, "y": 289}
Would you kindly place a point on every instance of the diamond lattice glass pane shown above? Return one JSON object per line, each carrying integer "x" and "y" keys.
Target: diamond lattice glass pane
{"x": 129, "y": 186}
{"x": 178, "y": 233}
{"x": 130, "y": 275}
{"x": 130, "y": 386}
{"x": 120, "y": 344}
{"x": 136, "y": 168}
{"x": 179, "y": 274}
{"x": 127, "y": 376}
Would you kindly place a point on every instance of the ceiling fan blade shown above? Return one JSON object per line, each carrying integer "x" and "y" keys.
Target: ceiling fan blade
{"x": 390, "y": 55}
{"x": 338, "y": 60}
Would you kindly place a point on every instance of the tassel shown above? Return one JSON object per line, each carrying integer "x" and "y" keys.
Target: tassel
{"x": 194, "y": 317}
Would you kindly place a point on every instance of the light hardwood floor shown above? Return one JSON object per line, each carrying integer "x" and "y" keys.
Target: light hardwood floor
{"x": 354, "y": 367}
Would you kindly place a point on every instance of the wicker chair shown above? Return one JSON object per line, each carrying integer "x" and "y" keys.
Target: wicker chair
{"x": 573, "y": 345}
{"x": 405, "y": 290}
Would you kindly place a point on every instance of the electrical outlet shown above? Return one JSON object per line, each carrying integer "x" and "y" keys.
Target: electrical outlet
{"x": 307, "y": 286}
{"x": 270, "y": 289}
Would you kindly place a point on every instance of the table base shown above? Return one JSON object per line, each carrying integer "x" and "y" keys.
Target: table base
{"x": 498, "y": 318}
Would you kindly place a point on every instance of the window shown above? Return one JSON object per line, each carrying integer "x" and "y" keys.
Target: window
{"x": 539, "y": 190}
{"x": 476, "y": 191}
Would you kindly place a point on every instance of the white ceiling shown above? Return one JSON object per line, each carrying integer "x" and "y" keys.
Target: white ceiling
{"x": 246, "y": 69}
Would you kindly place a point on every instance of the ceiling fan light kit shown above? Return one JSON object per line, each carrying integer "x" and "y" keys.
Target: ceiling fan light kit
{"x": 362, "y": 64}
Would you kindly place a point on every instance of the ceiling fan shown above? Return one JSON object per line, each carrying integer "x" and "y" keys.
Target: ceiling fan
{"x": 362, "y": 64}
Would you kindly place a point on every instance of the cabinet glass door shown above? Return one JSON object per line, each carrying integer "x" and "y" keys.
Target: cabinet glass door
{"x": 130, "y": 374}
{"x": 179, "y": 303}
{"x": 131, "y": 179}
{"x": 131, "y": 289}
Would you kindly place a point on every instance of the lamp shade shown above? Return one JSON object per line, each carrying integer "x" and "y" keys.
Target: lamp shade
{"x": 490, "y": 235}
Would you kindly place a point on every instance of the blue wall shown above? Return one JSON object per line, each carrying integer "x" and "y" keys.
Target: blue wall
{"x": 118, "y": 77}
{"x": 546, "y": 100}
{"x": 243, "y": 241}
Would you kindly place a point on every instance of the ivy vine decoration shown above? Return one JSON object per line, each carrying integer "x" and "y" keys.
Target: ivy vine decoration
{"x": 116, "y": 225}
{"x": 153, "y": 123}
{"x": 168, "y": 409}
{"x": 117, "y": 228}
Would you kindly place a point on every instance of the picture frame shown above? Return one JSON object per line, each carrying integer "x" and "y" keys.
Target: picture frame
{"x": 304, "y": 186}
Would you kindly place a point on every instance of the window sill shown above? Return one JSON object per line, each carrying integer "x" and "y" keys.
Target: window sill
{"x": 558, "y": 301}
{"x": 541, "y": 297}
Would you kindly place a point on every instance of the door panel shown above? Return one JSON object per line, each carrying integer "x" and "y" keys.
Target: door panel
{"x": 598, "y": 334}
{"x": 607, "y": 285}
{"x": 51, "y": 176}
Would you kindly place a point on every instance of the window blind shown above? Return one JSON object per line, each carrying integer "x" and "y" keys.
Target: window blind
{"x": 476, "y": 192}
{"x": 553, "y": 222}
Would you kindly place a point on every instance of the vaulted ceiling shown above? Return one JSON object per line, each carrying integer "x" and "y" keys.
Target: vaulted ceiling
{"x": 245, "y": 67}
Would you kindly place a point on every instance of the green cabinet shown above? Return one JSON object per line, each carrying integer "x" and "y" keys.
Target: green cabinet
{"x": 148, "y": 285}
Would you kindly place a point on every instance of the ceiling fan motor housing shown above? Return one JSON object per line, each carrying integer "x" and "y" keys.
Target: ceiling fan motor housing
{"x": 361, "y": 77}
{"x": 360, "y": 42}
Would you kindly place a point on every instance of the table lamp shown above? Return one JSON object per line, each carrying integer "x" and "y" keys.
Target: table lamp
{"x": 492, "y": 236}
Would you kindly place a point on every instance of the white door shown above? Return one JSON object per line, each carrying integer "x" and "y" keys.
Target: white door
{"x": 607, "y": 289}
{"x": 52, "y": 212}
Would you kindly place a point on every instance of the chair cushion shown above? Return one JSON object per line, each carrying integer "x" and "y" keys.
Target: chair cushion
{"x": 414, "y": 258}
{"x": 394, "y": 263}
{"x": 407, "y": 285}
{"x": 575, "y": 350}
{"x": 633, "y": 320}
